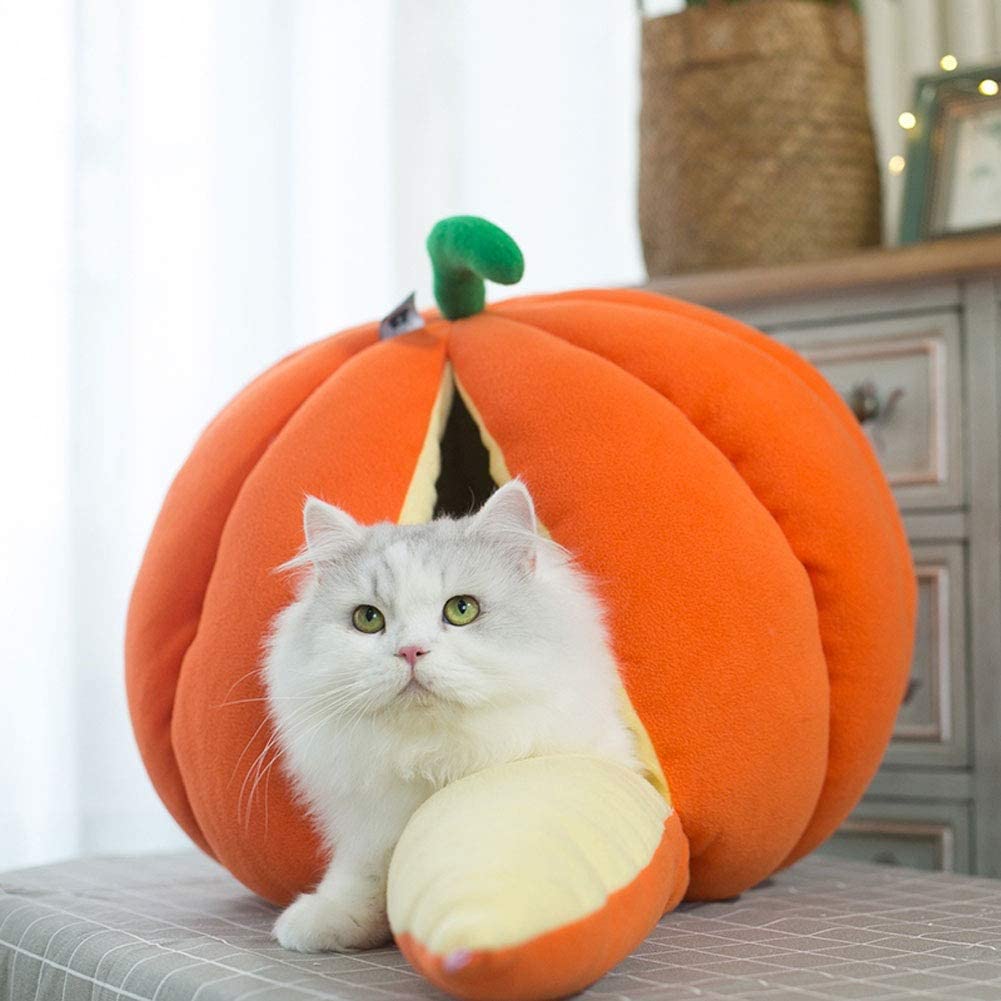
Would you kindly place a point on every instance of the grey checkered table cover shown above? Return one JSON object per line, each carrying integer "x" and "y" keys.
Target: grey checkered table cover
{"x": 179, "y": 928}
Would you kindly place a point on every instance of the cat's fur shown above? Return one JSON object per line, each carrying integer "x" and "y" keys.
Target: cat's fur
{"x": 533, "y": 674}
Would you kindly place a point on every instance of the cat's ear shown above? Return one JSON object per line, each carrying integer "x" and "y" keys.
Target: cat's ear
{"x": 329, "y": 531}
{"x": 510, "y": 514}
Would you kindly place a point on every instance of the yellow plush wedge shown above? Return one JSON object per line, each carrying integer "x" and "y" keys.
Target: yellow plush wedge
{"x": 529, "y": 880}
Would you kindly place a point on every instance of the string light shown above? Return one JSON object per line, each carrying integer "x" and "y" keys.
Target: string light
{"x": 989, "y": 88}
{"x": 906, "y": 120}
{"x": 948, "y": 62}
{"x": 896, "y": 164}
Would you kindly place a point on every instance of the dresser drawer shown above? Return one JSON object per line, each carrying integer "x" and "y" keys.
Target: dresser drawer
{"x": 932, "y": 836}
{"x": 932, "y": 725}
{"x": 903, "y": 380}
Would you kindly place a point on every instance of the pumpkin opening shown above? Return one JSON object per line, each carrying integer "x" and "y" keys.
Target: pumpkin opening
{"x": 464, "y": 482}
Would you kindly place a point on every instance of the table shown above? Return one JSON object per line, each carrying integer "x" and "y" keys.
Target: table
{"x": 172, "y": 927}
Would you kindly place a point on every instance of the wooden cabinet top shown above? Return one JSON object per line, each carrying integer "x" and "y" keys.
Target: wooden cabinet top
{"x": 921, "y": 263}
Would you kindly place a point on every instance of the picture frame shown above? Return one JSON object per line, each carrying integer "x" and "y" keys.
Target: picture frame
{"x": 952, "y": 180}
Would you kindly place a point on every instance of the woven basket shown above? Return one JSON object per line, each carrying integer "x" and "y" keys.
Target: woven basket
{"x": 755, "y": 140}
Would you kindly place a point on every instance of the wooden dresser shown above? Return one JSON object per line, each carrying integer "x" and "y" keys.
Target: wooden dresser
{"x": 910, "y": 338}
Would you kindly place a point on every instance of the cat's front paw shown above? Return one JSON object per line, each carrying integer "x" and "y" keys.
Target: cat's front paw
{"x": 317, "y": 923}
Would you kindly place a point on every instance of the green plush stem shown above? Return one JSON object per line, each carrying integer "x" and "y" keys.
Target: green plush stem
{"x": 464, "y": 251}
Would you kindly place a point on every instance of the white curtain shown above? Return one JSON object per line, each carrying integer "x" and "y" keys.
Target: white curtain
{"x": 190, "y": 189}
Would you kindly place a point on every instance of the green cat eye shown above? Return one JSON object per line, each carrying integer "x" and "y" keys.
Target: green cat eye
{"x": 368, "y": 619}
{"x": 461, "y": 610}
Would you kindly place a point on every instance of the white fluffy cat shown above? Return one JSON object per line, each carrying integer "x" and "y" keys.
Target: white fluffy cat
{"x": 415, "y": 655}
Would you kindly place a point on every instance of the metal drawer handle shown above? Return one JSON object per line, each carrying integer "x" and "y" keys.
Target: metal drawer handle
{"x": 885, "y": 857}
{"x": 867, "y": 406}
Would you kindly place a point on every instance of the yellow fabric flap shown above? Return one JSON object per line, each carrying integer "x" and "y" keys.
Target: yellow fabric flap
{"x": 519, "y": 849}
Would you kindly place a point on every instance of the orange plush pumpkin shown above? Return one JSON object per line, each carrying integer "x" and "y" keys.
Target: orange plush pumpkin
{"x": 760, "y": 589}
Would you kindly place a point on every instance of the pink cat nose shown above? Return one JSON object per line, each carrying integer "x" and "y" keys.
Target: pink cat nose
{"x": 410, "y": 654}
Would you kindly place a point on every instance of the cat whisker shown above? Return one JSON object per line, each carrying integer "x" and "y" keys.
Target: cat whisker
{"x": 264, "y": 698}
{"x": 241, "y": 679}
{"x": 264, "y": 722}
{"x": 246, "y": 747}
{"x": 359, "y": 714}
{"x": 260, "y": 726}
{"x": 301, "y": 718}
{"x": 254, "y": 770}
{"x": 264, "y": 772}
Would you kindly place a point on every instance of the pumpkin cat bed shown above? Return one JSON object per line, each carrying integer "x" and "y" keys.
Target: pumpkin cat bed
{"x": 759, "y": 588}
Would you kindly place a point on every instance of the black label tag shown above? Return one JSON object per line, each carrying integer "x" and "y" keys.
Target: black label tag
{"x": 402, "y": 320}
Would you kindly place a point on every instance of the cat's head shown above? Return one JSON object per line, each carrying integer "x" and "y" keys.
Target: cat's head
{"x": 454, "y": 613}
